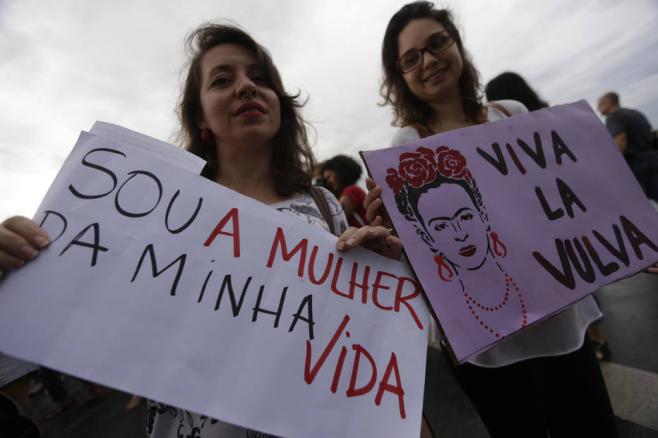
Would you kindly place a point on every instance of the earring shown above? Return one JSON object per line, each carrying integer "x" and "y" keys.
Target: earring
{"x": 445, "y": 273}
{"x": 206, "y": 135}
{"x": 499, "y": 247}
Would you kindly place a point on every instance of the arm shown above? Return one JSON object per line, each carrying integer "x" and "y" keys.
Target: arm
{"x": 621, "y": 140}
{"x": 348, "y": 205}
{"x": 377, "y": 236}
{"x": 617, "y": 129}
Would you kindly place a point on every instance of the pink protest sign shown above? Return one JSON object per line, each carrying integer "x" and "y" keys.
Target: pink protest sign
{"x": 507, "y": 223}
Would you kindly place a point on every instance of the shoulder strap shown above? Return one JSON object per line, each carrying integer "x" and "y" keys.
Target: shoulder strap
{"x": 500, "y": 108}
{"x": 322, "y": 204}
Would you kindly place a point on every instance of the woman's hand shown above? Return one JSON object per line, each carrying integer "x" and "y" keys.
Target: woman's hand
{"x": 375, "y": 214}
{"x": 378, "y": 239}
{"x": 20, "y": 241}
{"x": 653, "y": 269}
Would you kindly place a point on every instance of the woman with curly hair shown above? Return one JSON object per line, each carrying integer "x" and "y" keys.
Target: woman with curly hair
{"x": 341, "y": 173}
{"x": 545, "y": 379}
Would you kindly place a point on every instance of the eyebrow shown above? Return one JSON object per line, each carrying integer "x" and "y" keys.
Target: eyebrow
{"x": 447, "y": 218}
{"x": 219, "y": 68}
{"x": 425, "y": 44}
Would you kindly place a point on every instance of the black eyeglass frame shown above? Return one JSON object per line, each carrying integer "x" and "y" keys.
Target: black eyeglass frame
{"x": 450, "y": 41}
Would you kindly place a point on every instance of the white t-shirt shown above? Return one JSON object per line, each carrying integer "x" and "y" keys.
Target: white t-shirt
{"x": 560, "y": 334}
{"x": 165, "y": 421}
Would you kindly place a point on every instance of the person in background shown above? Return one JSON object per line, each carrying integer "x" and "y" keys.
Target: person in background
{"x": 340, "y": 174}
{"x": 631, "y": 132}
{"x": 510, "y": 85}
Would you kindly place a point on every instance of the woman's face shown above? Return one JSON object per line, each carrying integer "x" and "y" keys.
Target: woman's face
{"x": 437, "y": 76}
{"x": 236, "y": 103}
{"x": 455, "y": 225}
{"x": 331, "y": 178}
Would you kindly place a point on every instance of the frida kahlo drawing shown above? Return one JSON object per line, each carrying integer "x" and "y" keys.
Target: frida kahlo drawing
{"x": 435, "y": 191}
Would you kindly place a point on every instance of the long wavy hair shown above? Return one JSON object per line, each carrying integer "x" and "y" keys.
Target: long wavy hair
{"x": 292, "y": 159}
{"x": 409, "y": 109}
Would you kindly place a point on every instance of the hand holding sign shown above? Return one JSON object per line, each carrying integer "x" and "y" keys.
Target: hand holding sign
{"x": 20, "y": 241}
{"x": 375, "y": 238}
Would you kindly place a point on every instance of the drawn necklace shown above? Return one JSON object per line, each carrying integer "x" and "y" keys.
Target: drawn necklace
{"x": 473, "y": 304}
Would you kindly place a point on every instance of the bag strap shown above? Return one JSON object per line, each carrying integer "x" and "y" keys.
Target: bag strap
{"x": 323, "y": 205}
{"x": 500, "y": 108}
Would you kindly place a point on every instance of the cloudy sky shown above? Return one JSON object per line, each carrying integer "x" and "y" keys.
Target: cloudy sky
{"x": 68, "y": 63}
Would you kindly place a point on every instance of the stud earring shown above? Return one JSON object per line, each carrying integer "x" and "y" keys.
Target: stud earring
{"x": 206, "y": 135}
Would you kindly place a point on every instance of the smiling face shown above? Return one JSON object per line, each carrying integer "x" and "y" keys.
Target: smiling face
{"x": 237, "y": 104}
{"x": 455, "y": 225}
{"x": 437, "y": 76}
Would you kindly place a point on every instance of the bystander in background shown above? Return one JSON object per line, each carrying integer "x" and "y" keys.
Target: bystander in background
{"x": 632, "y": 133}
{"x": 511, "y": 86}
{"x": 340, "y": 175}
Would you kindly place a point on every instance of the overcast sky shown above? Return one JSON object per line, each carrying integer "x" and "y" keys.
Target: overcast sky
{"x": 65, "y": 64}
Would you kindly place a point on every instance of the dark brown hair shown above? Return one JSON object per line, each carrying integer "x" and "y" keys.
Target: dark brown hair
{"x": 410, "y": 110}
{"x": 292, "y": 159}
{"x": 510, "y": 85}
{"x": 612, "y": 97}
{"x": 347, "y": 169}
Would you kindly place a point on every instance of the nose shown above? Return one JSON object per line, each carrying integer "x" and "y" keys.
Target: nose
{"x": 246, "y": 88}
{"x": 428, "y": 59}
{"x": 460, "y": 235}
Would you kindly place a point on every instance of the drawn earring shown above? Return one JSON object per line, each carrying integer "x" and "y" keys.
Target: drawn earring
{"x": 499, "y": 247}
{"x": 206, "y": 135}
{"x": 445, "y": 273}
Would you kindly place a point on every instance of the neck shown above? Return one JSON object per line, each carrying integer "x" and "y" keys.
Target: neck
{"x": 246, "y": 169}
{"x": 450, "y": 112}
{"x": 494, "y": 289}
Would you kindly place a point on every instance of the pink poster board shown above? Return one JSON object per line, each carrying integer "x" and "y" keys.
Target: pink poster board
{"x": 508, "y": 223}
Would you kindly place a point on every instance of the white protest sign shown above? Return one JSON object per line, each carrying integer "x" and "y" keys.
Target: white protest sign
{"x": 162, "y": 283}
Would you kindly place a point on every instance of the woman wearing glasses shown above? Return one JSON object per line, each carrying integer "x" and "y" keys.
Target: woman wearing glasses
{"x": 546, "y": 379}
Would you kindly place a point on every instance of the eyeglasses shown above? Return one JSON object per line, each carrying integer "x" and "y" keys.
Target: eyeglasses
{"x": 436, "y": 43}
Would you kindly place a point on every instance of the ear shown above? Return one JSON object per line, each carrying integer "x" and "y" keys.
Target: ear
{"x": 201, "y": 122}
